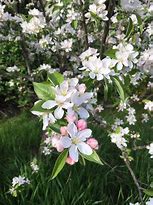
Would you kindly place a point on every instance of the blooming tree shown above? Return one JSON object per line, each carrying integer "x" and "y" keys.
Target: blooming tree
{"x": 92, "y": 56}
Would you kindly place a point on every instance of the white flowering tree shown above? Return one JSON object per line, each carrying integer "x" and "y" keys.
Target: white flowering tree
{"x": 91, "y": 56}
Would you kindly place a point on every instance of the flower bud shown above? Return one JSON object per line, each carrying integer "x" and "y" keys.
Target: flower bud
{"x": 93, "y": 143}
{"x": 82, "y": 88}
{"x": 81, "y": 124}
{"x": 70, "y": 161}
{"x": 63, "y": 130}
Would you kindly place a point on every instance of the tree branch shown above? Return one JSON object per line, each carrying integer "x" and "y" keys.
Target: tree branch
{"x": 84, "y": 25}
{"x": 127, "y": 163}
{"x": 111, "y": 7}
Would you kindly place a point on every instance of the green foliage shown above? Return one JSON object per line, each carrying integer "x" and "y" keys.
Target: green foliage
{"x": 44, "y": 90}
{"x": 59, "y": 164}
{"x": 19, "y": 143}
{"x": 130, "y": 28}
{"x": 93, "y": 158}
{"x": 56, "y": 78}
{"x": 119, "y": 89}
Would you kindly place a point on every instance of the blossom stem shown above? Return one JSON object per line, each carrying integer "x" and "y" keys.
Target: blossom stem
{"x": 127, "y": 163}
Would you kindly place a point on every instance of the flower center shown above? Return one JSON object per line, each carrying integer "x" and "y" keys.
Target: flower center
{"x": 75, "y": 140}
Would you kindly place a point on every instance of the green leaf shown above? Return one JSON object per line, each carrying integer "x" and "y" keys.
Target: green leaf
{"x": 129, "y": 28}
{"x": 119, "y": 89}
{"x": 110, "y": 53}
{"x": 56, "y": 78}
{"x": 105, "y": 90}
{"x": 55, "y": 127}
{"x": 37, "y": 106}
{"x": 93, "y": 158}
{"x": 149, "y": 192}
{"x": 75, "y": 24}
{"x": 44, "y": 90}
{"x": 59, "y": 164}
{"x": 140, "y": 22}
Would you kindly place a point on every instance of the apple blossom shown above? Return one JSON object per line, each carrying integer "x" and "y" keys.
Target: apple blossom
{"x": 75, "y": 141}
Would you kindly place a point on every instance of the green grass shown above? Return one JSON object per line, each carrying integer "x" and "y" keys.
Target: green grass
{"x": 77, "y": 185}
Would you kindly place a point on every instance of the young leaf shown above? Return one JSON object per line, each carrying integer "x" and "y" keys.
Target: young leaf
{"x": 93, "y": 158}
{"x": 129, "y": 28}
{"x": 119, "y": 89}
{"x": 149, "y": 192}
{"x": 140, "y": 23}
{"x": 37, "y": 106}
{"x": 59, "y": 164}
{"x": 56, "y": 78}
{"x": 110, "y": 53}
{"x": 44, "y": 90}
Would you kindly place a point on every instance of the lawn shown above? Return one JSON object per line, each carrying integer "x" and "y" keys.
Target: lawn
{"x": 110, "y": 184}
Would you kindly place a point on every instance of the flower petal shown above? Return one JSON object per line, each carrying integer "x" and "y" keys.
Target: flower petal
{"x": 72, "y": 129}
{"x": 45, "y": 121}
{"x": 66, "y": 142}
{"x": 83, "y": 113}
{"x": 73, "y": 152}
{"x": 58, "y": 113}
{"x": 83, "y": 134}
{"x": 84, "y": 148}
{"x": 49, "y": 104}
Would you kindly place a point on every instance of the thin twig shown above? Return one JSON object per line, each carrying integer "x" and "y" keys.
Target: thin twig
{"x": 25, "y": 54}
{"x": 111, "y": 7}
{"x": 127, "y": 163}
{"x": 43, "y": 10}
{"x": 84, "y": 25}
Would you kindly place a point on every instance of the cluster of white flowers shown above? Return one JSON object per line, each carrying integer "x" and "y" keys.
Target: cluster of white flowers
{"x": 17, "y": 183}
{"x": 34, "y": 166}
{"x": 12, "y": 69}
{"x": 149, "y": 202}
{"x": 47, "y": 68}
{"x": 145, "y": 117}
{"x": 94, "y": 66}
{"x": 131, "y": 116}
{"x": 145, "y": 63}
{"x": 69, "y": 96}
{"x": 148, "y": 105}
{"x": 125, "y": 55}
{"x": 66, "y": 45}
{"x": 117, "y": 137}
{"x": 36, "y": 23}
{"x": 150, "y": 148}
{"x": 98, "y": 8}
{"x": 117, "y": 123}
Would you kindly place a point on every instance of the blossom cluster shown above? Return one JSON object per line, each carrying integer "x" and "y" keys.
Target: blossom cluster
{"x": 17, "y": 184}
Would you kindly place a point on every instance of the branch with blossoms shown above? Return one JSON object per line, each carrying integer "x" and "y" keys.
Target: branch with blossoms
{"x": 116, "y": 77}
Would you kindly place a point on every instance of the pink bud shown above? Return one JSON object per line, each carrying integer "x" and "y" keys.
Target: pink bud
{"x": 71, "y": 118}
{"x": 93, "y": 143}
{"x": 70, "y": 161}
{"x": 81, "y": 124}
{"x": 63, "y": 130}
{"x": 82, "y": 88}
